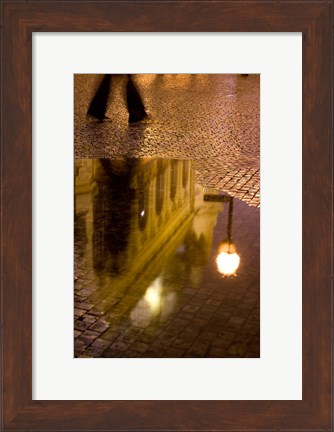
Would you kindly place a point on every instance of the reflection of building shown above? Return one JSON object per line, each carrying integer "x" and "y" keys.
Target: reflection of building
{"x": 204, "y": 221}
{"x": 147, "y": 230}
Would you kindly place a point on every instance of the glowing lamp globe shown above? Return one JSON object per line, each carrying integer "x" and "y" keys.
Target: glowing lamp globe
{"x": 227, "y": 259}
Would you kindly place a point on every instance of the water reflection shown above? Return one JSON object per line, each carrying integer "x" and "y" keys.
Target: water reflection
{"x": 147, "y": 236}
{"x": 156, "y": 302}
{"x": 227, "y": 259}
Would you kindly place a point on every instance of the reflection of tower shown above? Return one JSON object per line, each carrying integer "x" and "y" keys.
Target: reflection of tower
{"x": 206, "y": 213}
{"x": 199, "y": 239}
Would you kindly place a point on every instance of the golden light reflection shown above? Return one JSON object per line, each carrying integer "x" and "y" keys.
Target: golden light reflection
{"x": 227, "y": 263}
{"x": 154, "y": 303}
{"x": 153, "y": 296}
{"x": 149, "y": 306}
{"x": 227, "y": 259}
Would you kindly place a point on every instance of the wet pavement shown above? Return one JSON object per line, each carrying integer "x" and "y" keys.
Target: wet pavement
{"x": 164, "y": 265}
{"x": 213, "y": 120}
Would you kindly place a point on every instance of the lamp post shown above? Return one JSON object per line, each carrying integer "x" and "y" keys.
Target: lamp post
{"x": 227, "y": 259}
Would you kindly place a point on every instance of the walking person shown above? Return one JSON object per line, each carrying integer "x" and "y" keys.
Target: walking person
{"x": 99, "y": 104}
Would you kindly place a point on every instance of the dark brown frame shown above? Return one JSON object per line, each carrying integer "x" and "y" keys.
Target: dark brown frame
{"x": 19, "y": 20}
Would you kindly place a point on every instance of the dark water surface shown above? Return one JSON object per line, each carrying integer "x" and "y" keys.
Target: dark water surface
{"x": 148, "y": 282}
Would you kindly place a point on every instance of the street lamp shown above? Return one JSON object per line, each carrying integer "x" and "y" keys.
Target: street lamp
{"x": 227, "y": 259}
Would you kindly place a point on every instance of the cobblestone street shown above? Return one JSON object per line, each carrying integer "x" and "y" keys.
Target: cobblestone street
{"x": 212, "y": 119}
{"x": 167, "y": 218}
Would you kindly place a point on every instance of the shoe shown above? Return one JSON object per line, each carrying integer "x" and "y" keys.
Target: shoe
{"x": 134, "y": 122}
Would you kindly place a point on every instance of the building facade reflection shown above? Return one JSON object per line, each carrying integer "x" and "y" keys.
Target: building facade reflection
{"x": 145, "y": 232}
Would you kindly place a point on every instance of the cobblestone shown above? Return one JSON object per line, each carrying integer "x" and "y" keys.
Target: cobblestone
{"x": 212, "y": 320}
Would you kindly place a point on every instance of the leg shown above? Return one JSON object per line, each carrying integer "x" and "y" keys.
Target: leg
{"x": 134, "y": 103}
{"x": 98, "y": 105}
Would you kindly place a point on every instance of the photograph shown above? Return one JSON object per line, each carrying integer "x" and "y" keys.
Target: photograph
{"x": 166, "y": 215}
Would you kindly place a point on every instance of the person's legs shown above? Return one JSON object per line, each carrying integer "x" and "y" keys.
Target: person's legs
{"x": 98, "y": 106}
{"x": 134, "y": 103}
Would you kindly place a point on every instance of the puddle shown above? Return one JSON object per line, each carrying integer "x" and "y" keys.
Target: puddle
{"x": 163, "y": 266}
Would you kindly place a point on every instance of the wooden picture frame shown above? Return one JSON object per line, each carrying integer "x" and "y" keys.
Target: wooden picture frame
{"x": 19, "y": 21}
